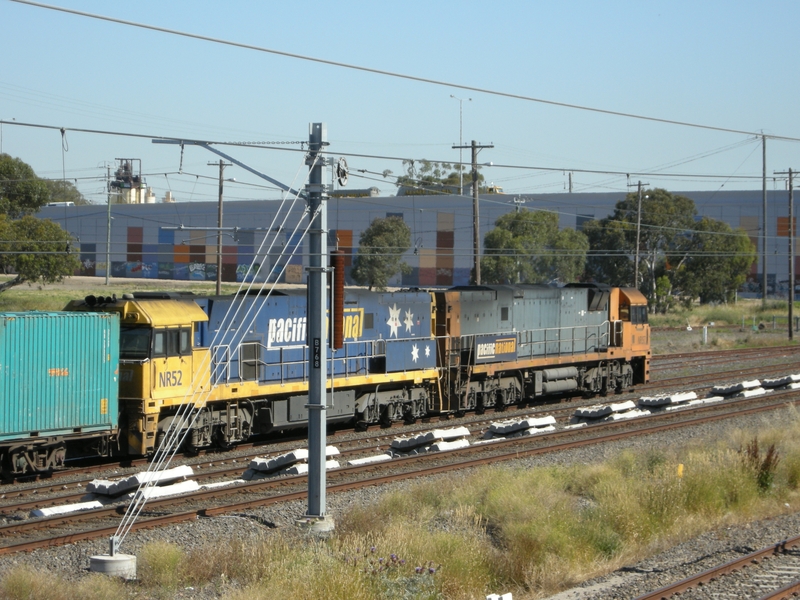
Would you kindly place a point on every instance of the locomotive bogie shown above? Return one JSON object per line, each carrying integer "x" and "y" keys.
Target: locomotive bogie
{"x": 401, "y": 404}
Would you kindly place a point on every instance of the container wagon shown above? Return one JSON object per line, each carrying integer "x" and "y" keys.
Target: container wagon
{"x": 58, "y": 388}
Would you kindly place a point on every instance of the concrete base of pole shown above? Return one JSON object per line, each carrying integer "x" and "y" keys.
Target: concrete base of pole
{"x": 316, "y": 525}
{"x": 119, "y": 565}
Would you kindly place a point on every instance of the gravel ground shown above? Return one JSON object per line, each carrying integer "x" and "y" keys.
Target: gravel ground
{"x": 687, "y": 558}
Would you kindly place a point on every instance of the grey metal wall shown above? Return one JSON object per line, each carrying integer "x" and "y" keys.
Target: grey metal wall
{"x": 441, "y": 253}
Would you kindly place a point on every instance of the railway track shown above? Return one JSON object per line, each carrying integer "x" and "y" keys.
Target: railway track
{"x": 53, "y": 481}
{"x": 771, "y": 573}
{"x": 103, "y": 522}
{"x": 697, "y": 383}
{"x": 661, "y": 362}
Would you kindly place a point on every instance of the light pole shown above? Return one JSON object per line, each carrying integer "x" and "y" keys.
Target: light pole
{"x": 476, "y": 220}
{"x": 108, "y": 222}
{"x": 460, "y": 143}
{"x": 638, "y": 232}
{"x": 222, "y": 166}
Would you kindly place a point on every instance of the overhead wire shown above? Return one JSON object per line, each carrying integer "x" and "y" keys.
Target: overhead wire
{"x": 392, "y": 73}
{"x": 642, "y": 173}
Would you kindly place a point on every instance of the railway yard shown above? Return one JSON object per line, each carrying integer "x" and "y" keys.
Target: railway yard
{"x": 248, "y": 506}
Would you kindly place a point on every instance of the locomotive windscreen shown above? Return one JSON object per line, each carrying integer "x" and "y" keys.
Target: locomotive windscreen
{"x": 134, "y": 342}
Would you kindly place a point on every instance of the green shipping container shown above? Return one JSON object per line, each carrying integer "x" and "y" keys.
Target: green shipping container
{"x": 58, "y": 373}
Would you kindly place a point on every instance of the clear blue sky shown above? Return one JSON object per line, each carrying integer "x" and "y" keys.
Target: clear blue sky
{"x": 727, "y": 64}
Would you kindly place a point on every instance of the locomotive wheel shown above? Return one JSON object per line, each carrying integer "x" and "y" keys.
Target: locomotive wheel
{"x": 386, "y": 417}
{"x": 221, "y": 440}
{"x": 479, "y": 407}
{"x": 409, "y": 418}
{"x": 500, "y": 400}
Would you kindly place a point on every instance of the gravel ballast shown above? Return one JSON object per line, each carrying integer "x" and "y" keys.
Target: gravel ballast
{"x": 690, "y": 557}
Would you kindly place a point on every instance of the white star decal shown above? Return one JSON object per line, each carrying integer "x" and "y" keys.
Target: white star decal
{"x": 415, "y": 353}
{"x": 409, "y": 322}
{"x": 394, "y": 320}
{"x": 427, "y": 351}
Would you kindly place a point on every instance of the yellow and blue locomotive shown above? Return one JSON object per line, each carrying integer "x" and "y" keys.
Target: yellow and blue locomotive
{"x": 242, "y": 361}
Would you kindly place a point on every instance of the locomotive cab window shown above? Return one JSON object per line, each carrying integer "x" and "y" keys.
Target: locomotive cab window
{"x": 624, "y": 312}
{"x": 638, "y": 315}
{"x": 134, "y": 343}
{"x": 172, "y": 342}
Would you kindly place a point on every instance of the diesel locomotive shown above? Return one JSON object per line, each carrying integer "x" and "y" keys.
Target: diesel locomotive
{"x": 242, "y": 362}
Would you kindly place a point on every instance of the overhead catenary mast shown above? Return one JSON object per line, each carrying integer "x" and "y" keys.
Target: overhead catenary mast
{"x": 316, "y": 194}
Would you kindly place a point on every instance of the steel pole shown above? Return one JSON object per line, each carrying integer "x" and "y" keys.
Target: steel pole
{"x": 476, "y": 219}
{"x": 792, "y": 233}
{"x": 219, "y": 231}
{"x": 317, "y": 342}
{"x": 108, "y": 228}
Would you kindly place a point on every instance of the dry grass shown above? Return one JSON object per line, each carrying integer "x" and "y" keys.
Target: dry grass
{"x": 529, "y": 531}
{"x": 56, "y": 296}
{"x": 24, "y": 583}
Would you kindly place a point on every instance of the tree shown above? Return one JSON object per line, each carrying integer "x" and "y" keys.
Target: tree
{"x": 425, "y": 176}
{"x": 380, "y": 250}
{"x": 569, "y": 255}
{"x": 666, "y": 225}
{"x": 701, "y": 259}
{"x": 527, "y": 247}
{"x": 609, "y": 260}
{"x": 664, "y": 300}
{"x": 36, "y": 250}
{"x": 718, "y": 263}
{"x": 21, "y": 191}
{"x": 64, "y": 191}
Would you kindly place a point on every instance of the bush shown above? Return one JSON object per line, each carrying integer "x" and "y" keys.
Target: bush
{"x": 762, "y": 468}
{"x": 159, "y": 565}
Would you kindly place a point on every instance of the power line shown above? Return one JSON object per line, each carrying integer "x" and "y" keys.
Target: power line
{"x": 393, "y": 74}
{"x": 645, "y": 173}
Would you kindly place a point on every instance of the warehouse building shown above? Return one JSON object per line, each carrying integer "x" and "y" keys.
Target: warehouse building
{"x": 178, "y": 240}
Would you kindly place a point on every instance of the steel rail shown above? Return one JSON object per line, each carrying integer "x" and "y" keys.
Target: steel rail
{"x": 372, "y": 481}
{"x": 357, "y": 446}
{"x": 785, "y": 593}
{"x": 668, "y": 591}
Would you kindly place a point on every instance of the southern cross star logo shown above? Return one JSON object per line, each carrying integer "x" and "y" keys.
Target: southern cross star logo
{"x": 409, "y": 322}
{"x": 427, "y": 351}
{"x": 415, "y": 353}
{"x": 394, "y": 320}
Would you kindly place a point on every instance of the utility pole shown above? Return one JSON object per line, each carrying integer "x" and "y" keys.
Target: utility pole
{"x": 792, "y": 232}
{"x": 638, "y": 233}
{"x": 791, "y": 257}
{"x": 476, "y": 222}
{"x": 222, "y": 166}
{"x": 764, "y": 220}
